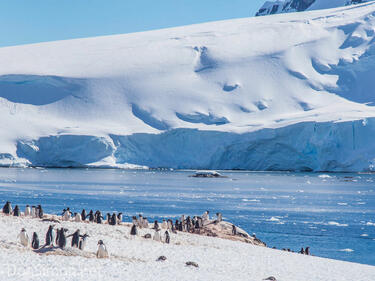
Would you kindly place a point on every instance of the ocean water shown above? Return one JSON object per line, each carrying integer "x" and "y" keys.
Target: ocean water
{"x": 333, "y": 214}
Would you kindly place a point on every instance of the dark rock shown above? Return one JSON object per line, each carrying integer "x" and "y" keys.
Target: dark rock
{"x": 147, "y": 236}
{"x": 271, "y": 278}
{"x": 191, "y": 263}
{"x": 161, "y": 258}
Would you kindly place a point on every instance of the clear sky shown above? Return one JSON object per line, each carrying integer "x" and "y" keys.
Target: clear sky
{"x": 31, "y": 21}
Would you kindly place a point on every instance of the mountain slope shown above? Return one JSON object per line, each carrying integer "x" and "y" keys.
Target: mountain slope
{"x": 290, "y": 6}
{"x": 215, "y": 95}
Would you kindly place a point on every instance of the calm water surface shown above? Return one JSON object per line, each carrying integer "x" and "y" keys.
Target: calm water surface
{"x": 334, "y": 214}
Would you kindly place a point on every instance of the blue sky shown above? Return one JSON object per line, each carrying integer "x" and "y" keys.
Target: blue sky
{"x": 31, "y": 21}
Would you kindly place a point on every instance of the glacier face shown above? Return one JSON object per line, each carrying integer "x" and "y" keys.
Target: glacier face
{"x": 290, "y": 6}
{"x": 219, "y": 95}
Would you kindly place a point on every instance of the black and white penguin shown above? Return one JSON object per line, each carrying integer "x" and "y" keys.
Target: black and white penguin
{"x": 62, "y": 238}
{"x": 98, "y": 217}
{"x": 188, "y": 224}
{"x": 82, "y": 242}
{"x": 40, "y": 211}
{"x": 145, "y": 222}
{"x": 219, "y": 217}
{"x": 157, "y": 235}
{"x": 24, "y": 238}
{"x": 49, "y": 236}
{"x": 7, "y": 209}
{"x": 35, "y": 242}
{"x": 109, "y": 217}
{"x": 102, "y": 250}
{"x": 57, "y": 236}
{"x": 156, "y": 225}
{"x": 77, "y": 217}
{"x": 196, "y": 226}
{"x": 167, "y": 237}
{"x": 180, "y": 226}
{"x": 27, "y": 211}
{"x": 83, "y": 215}
{"x": 134, "y": 220}
{"x": 119, "y": 218}
{"x": 133, "y": 230}
{"x": 16, "y": 211}
{"x": 113, "y": 220}
{"x": 140, "y": 221}
{"x": 164, "y": 224}
{"x": 234, "y": 230}
{"x": 91, "y": 216}
{"x": 75, "y": 238}
{"x": 33, "y": 212}
{"x": 302, "y": 251}
{"x": 307, "y": 251}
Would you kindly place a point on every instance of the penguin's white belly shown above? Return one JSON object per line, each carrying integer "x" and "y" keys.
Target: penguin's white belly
{"x": 24, "y": 239}
{"x": 102, "y": 252}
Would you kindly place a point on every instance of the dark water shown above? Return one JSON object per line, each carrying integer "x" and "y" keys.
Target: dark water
{"x": 333, "y": 214}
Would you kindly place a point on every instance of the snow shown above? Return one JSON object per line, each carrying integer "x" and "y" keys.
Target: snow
{"x": 219, "y": 95}
{"x": 135, "y": 258}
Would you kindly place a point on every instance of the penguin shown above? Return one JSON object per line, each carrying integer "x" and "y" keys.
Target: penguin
{"x": 66, "y": 215}
{"x": 307, "y": 251}
{"x": 82, "y": 242}
{"x": 219, "y": 217}
{"x": 35, "y": 242}
{"x": 140, "y": 221}
{"x": 156, "y": 225}
{"x": 234, "y": 230}
{"x": 91, "y": 216}
{"x": 134, "y": 220}
{"x": 57, "y": 236}
{"x": 49, "y": 236}
{"x": 33, "y": 212}
{"x": 109, "y": 217}
{"x": 83, "y": 215}
{"x": 180, "y": 226}
{"x": 62, "y": 238}
{"x": 196, "y": 226}
{"x": 27, "y": 211}
{"x": 145, "y": 223}
{"x": 119, "y": 218}
{"x": 164, "y": 224}
{"x": 183, "y": 222}
{"x": 113, "y": 220}
{"x": 24, "y": 238}
{"x": 7, "y": 209}
{"x": 302, "y": 251}
{"x": 133, "y": 230}
{"x": 205, "y": 217}
{"x": 176, "y": 224}
{"x": 16, "y": 211}
{"x": 102, "y": 251}
{"x": 157, "y": 236}
{"x": 36, "y": 212}
{"x": 98, "y": 217}
{"x": 188, "y": 224}
{"x": 169, "y": 224}
{"x": 75, "y": 238}
{"x": 167, "y": 237}
{"x": 77, "y": 217}
{"x": 40, "y": 211}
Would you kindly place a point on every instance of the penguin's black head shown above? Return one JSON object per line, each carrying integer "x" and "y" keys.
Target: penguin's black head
{"x": 100, "y": 242}
{"x": 23, "y": 230}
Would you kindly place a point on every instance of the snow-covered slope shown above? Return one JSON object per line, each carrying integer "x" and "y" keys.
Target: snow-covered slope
{"x": 135, "y": 258}
{"x": 289, "y": 6}
{"x": 288, "y": 92}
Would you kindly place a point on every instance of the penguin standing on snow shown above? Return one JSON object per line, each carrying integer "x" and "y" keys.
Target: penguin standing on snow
{"x": 35, "y": 242}
{"x": 27, "y": 211}
{"x": 307, "y": 251}
{"x": 91, "y": 216}
{"x": 16, "y": 211}
{"x": 82, "y": 242}
{"x": 156, "y": 225}
{"x": 113, "y": 220}
{"x": 219, "y": 217}
{"x": 40, "y": 211}
{"x": 33, "y": 212}
{"x": 24, "y": 238}
{"x": 157, "y": 236}
{"x": 62, "y": 238}
{"x": 133, "y": 231}
{"x": 75, "y": 238}
{"x": 234, "y": 230}
{"x": 164, "y": 224}
{"x": 83, "y": 215}
{"x": 102, "y": 250}
{"x": 98, "y": 217}
{"x": 145, "y": 223}
{"x": 49, "y": 236}
{"x": 7, "y": 209}
{"x": 119, "y": 218}
{"x": 167, "y": 237}
{"x": 77, "y": 217}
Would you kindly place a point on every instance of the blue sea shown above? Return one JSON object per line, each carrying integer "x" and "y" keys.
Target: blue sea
{"x": 333, "y": 214}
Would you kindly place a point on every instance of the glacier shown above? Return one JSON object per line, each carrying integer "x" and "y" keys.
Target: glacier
{"x": 288, "y": 92}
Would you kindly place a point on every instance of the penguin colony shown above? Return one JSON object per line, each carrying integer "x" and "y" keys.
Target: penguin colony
{"x": 58, "y": 237}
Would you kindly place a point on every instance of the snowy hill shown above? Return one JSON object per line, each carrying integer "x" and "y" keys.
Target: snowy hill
{"x": 289, "y": 6}
{"x": 215, "y": 95}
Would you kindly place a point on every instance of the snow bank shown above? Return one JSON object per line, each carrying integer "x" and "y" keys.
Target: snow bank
{"x": 135, "y": 259}
{"x": 219, "y": 95}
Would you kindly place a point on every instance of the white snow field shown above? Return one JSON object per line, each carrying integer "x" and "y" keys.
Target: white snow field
{"x": 135, "y": 259}
{"x": 283, "y": 92}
